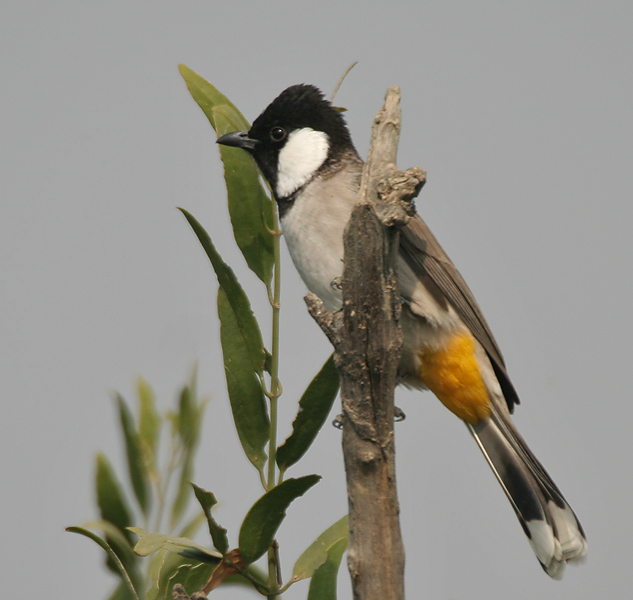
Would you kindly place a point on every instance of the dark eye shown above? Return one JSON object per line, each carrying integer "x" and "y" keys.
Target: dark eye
{"x": 277, "y": 134}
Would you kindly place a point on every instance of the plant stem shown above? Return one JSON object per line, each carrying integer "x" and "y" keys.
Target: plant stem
{"x": 275, "y": 387}
{"x": 275, "y": 392}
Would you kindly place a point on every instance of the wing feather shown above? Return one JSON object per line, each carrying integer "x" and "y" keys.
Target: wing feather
{"x": 424, "y": 255}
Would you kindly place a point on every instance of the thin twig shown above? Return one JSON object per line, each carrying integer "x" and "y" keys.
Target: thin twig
{"x": 340, "y": 81}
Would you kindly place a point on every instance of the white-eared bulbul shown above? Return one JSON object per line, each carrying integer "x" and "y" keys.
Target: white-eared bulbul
{"x": 303, "y": 148}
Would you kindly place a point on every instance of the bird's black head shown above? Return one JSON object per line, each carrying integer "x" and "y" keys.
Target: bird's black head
{"x": 298, "y": 135}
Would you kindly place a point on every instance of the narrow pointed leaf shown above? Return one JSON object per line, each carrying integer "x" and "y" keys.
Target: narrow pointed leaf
{"x": 139, "y": 476}
{"x": 187, "y": 412}
{"x": 149, "y": 422}
{"x": 208, "y": 96}
{"x": 111, "y": 554}
{"x": 181, "y": 501}
{"x": 265, "y": 516}
{"x": 218, "y": 534}
{"x": 245, "y": 392}
{"x": 152, "y": 542}
{"x": 188, "y": 437}
{"x": 314, "y": 408}
{"x": 110, "y": 499}
{"x": 189, "y": 427}
{"x": 171, "y": 562}
{"x": 317, "y": 553}
{"x": 250, "y": 207}
{"x": 323, "y": 583}
{"x": 247, "y": 325}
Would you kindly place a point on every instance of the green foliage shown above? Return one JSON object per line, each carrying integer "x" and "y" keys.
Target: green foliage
{"x": 218, "y": 533}
{"x": 149, "y": 423}
{"x": 186, "y": 424}
{"x": 157, "y": 496}
{"x": 191, "y": 576}
{"x": 263, "y": 519}
{"x": 151, "y": 492}
{"x": 110, "y": 496}
{"x": 250, "y": 207}
{"x": 314, "y": 407}
{"x": 320, "y": 550}
{"x": 246, "y": 324}
{"x": 149, "y": 543}
{"x": 139, "y": 470}
{"x": 323, "y": 582}
{"x": 245, "y": 389}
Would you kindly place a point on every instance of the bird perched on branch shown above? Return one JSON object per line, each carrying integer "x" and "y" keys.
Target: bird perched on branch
{"x": 303, "y": 148}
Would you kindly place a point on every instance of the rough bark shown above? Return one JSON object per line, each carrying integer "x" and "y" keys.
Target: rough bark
{"x": 367, "y": 342}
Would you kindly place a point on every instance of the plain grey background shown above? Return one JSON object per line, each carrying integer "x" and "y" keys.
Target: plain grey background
{"x": 521, "y": 114}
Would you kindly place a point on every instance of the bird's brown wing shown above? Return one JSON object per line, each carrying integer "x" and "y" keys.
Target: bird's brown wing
{"x": 435, "y": 270}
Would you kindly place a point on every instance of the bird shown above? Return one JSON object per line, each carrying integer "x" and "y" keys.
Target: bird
{"x": 304, "y": 150}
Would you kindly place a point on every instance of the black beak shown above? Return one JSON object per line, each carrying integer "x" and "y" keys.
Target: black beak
{"x": 238, "y": 139}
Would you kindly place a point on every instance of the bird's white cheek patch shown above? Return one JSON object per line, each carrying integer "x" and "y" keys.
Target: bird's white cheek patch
{"x": 303, "y": 153}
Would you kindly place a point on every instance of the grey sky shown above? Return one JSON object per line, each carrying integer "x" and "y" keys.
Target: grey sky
{"x": 520, "y": 113}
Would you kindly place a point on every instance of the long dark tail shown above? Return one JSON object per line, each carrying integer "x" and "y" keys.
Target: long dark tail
{"x": 554, "y": 532}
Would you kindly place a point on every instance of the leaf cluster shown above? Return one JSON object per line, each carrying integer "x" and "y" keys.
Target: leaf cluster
{"x": 157, "y": 492}
{"x": 253, "y": 387}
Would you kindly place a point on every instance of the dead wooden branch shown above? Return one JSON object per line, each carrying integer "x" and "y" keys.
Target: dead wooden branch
{"x": 367, "y": 341}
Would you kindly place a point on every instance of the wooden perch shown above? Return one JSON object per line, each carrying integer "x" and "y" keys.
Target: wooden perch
{"x": 367, "y": 342}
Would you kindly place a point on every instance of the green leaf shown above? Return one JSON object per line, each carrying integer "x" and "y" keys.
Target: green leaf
{"x": 184, "y": 491}
{"x": 149, "y": 422}
{"x": 314, "y": 407}
{"x": 192, "y": 578}
{"x": 250, "y": 207}
{"x": 317, "y": 553}
{"x": 265, "y": 516}
{"x": 110, "y": 498}
{"x": 120, "y": 569}
{"x": 139, "y": 477}
{"x": 323, "y": 583}
{"x": 152, "y": 542}
{"x": 166, "y": 566}
{"x": 208, "y": 97}
{"x": 218, "y": 534}
{"x": 248, "y": 328}
{"x": 245, "y": 391}
{"x": 187, "y": 413}
{"x": 171, "y": 562}
{"x": 112, "y": 505}
{"x": 189, "y": 422}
